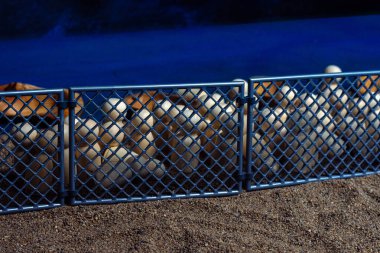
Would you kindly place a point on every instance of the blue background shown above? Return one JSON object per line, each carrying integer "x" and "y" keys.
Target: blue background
{"x": 81, "y": 43}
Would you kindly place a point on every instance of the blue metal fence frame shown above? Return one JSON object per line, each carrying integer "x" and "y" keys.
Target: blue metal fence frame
{"x": 75, "y": 200}
{"x": 245, "y": 178}
{"x": 302, "y": 80}
{"x": 58, "y": 199}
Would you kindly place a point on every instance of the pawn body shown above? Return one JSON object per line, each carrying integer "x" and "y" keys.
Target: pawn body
{"x": 185, "y": 156}
{"x": 114, "y": 109}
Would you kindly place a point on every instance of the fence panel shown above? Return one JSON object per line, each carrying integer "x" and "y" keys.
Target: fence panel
{"x": 31, "y": 145}
{"x": 312, "y": 128}
{"x": 137, "y": 143}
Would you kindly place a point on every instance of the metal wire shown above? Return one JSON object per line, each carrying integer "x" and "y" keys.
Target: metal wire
{"x": 31, "y": 129}
{"x": 313, "y": 128}
{"x": 138, "y": 143}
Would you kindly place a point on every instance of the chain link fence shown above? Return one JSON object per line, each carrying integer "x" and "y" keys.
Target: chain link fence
{"x": 312, "y": 128}
{"x": 31, "y": 144}
{"x": 138, "y": 143}
{"x": 93, "y": 145}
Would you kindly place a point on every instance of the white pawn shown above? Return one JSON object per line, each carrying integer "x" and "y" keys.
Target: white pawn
{"x": 24, "y": 133}
{"x": 332, "y": 69}
{"x": 185, "y": 156}
{"x": 114, "y": 109}
{"x": 287, "y": 97}
{"x": 143, "y": 120}
{"x": 115, "y": 169}
{"x": 112, "y": 133}
{"x": 262, "y": 157}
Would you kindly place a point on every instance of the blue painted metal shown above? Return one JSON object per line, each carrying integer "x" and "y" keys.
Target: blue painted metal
{"x": 107, "y": 175}
{"x": 309, "y": 148}
{"x": 61, "y": 144}
{"x": 32, "y": 176}
{"x": 100, "y": 186}
{"x": 72, "y": 147}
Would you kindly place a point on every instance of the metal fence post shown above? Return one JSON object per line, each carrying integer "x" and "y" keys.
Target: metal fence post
{"x": 61, "y": 137}
{"x": 250, "y": 105}
{"x": 70, "y": 197}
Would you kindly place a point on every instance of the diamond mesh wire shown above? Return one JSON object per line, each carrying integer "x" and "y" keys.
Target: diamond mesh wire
{"x": 313, "y": 128}
{"x": 31, "y": 137}
{"x": 139, "y": 143}
{"x": 136, "y": 143}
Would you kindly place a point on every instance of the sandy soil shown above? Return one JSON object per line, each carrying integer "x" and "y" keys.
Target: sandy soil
{"x": 334, "y": 216}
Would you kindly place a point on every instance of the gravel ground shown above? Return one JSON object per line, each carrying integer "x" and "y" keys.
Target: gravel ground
{"x": 334, "y": 216}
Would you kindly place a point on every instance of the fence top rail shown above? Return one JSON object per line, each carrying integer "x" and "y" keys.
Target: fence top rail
{"x": 157, "y": 86}
{"x": 30, "y": 92}
{"x": 312, "y": 76}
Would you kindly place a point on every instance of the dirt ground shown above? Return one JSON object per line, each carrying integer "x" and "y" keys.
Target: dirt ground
{"x": 334, "y": 216}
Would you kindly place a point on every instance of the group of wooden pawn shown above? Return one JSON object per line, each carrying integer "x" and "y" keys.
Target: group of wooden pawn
{"x": 174, "y": 136}
{"x": 171, "y": 135}
{"x": 36, "y": 155}
{"x": 292, "y": 132}
{"x": 118, "y": 148}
